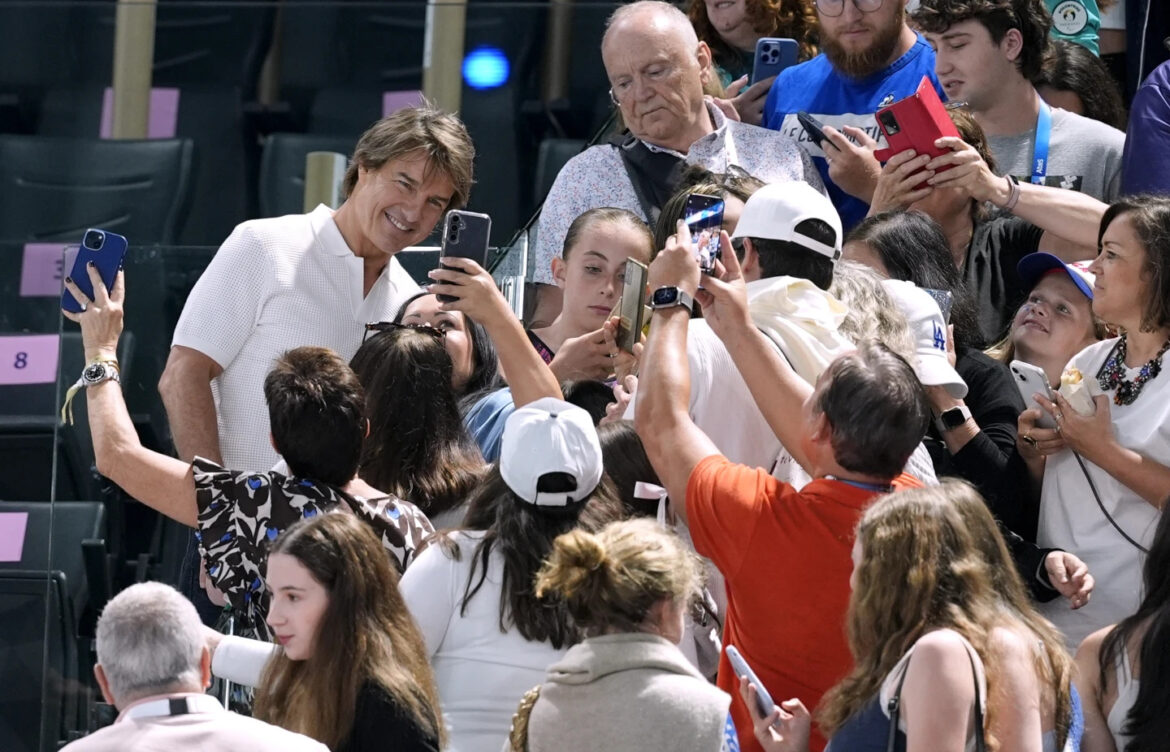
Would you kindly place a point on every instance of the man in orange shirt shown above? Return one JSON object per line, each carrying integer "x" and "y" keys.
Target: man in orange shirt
{"x": 785, "y": 553}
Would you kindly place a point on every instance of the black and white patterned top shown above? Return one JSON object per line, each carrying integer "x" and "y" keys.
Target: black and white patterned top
{"x": 240, "y": 513}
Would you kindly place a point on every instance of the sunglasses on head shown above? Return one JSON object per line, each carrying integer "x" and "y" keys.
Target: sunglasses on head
{"x": 385, "y": 326}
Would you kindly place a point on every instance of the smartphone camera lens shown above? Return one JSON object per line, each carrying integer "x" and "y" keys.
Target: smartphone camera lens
{"x": 93, "y": 240}
{"x": 889, "y": 123}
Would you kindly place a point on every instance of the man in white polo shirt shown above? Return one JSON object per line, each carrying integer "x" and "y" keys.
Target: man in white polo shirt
{"x": 308, "y": 279}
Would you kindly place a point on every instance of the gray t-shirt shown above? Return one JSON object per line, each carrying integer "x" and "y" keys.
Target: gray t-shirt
{"x": 1083, "y": 155}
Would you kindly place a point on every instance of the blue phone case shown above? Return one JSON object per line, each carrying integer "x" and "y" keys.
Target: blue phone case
{"x": 763, "y": 699}
{"x": 106, "y": 250}
{"x": 773, "y": 54}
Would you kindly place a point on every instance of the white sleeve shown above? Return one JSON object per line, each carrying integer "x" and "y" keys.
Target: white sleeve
{"x": 241, "y": 660}
{"x": 431, "y": 588}
{"x": 225, "y": 304}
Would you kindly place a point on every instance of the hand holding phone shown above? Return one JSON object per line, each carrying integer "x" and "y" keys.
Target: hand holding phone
{"x": 763, "y": 699}
{"x": 1032, "y": 380}
{"x": 465, "y": 235}
{"x": 704, "y": 218}
{"x": 915, "y": 122}
{"x": 106, "y": 250}
{"x": 813, "y": 128}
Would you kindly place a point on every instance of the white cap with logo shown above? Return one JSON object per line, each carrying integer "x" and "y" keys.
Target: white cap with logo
{"x": 774, "y": 211}
{"x": 929, "y": 329}
{"x": 550, "y": 455}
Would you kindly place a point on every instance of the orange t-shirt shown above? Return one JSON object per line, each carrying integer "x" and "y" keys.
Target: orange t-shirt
{"x": 785, "y": 556}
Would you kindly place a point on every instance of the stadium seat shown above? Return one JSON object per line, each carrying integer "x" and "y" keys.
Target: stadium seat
{"x": 282, "y": 169}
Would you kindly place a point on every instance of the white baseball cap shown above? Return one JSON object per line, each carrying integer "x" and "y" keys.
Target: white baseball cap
{"x": 550, "y": 455}
{"x": 929, "y": 330}
{"x": 774, "y": 211}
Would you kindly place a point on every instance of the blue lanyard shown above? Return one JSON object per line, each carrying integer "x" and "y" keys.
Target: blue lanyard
{"x": 1040, "y": 150}
{"x": 875, "y": 487}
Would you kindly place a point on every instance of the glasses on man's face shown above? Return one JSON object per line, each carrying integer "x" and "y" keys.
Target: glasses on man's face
{"x": 652, "y": 75}
{"x": 834, "y": 8}
{"x": 385, "y": 326}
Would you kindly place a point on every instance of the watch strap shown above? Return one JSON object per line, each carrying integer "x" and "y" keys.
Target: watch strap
{"x": 682, "y": 299}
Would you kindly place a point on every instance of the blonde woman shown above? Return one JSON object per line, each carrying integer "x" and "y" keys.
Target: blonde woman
{"x": 629, "y": 588}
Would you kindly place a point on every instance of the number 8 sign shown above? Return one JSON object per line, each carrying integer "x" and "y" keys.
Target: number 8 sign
{"x": 28, "y": 359}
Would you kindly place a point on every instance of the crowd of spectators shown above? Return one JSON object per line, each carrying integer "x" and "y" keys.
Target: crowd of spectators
{"x": 435, "y": 527}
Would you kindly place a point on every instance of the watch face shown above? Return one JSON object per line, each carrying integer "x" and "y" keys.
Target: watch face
{"x": 94, "y": 371}
{"x": 953, "y": 418}
{"x": 664, "y": 296}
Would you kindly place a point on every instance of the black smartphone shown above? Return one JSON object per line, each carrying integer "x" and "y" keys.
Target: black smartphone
{"x": 106, "y": 250}
{"x": 704, "y": 217}
{"x": 465, "y": 235}
{"x": 632, "y": 306}
{"x": 773, "y": 54}
{"x": 814, "y": 128}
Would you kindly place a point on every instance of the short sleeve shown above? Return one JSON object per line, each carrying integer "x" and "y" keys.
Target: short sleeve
{"x": 1017, "y": 238}
{"x": 400, "y": 525}
{"x": 485, "y": 422}
{"x": 231, "y": 528}
{"x": 224, "y": 306}
{"x": 430, "y": 589}
{"x": 725, "y": 502}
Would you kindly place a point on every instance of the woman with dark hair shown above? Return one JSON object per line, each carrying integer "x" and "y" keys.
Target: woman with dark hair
{"x": 418, "y": 448}
{"x": 933, "y": 645}
{"x": 475, "y": 365}
{"x": 974, "y": 436}
{"x": 488, "y": 636}
{"x": 352, "y": 671}
{"x": 1074, "y": 79}
{"x": 1124, "y": 675}
{"x": 1106, "y": 465}
{"x": 960, "y": 191}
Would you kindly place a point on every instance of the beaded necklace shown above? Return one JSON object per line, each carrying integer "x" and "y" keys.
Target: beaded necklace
{"x": 1112, "y": 374}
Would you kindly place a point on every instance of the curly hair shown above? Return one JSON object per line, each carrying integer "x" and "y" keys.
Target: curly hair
{"x": 1069, "y": 66}
{"x": 795, "y": 19}
{"x": 1031, "y": 17}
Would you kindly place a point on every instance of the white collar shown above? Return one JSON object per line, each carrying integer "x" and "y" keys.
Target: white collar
{"x": 181, "y": 703}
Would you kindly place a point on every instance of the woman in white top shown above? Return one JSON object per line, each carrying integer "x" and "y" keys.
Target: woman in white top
{"x": 1124, "y": 676}
{"x": 1105, "y": 474}
{"x": 490, "y": 639}
{"x": 926, "y": 626}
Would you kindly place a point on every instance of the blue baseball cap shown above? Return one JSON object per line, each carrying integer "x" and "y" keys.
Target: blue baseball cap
{"x": 1035, "y": 265}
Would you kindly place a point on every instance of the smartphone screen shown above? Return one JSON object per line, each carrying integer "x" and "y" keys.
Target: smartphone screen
{"x": 632, "y": 304}
{"x": 945, "y": 301}
{"x": 704, "y": 217}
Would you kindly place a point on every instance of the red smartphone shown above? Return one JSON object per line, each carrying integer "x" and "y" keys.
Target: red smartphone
{"x": 915, "y": 122}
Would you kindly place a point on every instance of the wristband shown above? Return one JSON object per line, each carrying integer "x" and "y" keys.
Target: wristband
{"x": 1013, "y": 194}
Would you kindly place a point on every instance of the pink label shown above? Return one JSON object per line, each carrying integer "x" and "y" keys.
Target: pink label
{"x": 12, "y": 527}
{"x": 29, "y": 359}
{"x": 43, "y": 268}
{"x": 393, "y": 101}
{"x": 164, "y": 113}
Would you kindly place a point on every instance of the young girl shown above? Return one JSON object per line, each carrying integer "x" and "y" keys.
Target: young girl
{"x": 353, "y": 672}
{"x": 590, "y": 273}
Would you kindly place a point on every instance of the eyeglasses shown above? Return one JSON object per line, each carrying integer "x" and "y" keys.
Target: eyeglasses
{"x": 834, "y": 8}
{"x": 385, "y": 326}
{"x": 653, "y": 75}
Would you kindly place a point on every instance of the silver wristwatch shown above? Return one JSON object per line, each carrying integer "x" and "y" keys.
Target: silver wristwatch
{"x": 96, "y": 373}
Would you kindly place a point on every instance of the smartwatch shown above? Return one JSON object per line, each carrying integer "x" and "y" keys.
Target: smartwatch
{"x": 952, "y": 418}
{"x": 670, "y": 296}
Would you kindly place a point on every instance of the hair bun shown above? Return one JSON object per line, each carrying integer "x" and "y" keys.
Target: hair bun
{"x": 577, "y": 558}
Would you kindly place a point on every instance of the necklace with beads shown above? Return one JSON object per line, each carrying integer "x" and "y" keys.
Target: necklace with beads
{"x": 1112, "y": 374}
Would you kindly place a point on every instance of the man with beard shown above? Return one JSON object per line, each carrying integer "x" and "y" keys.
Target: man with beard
{"x": 869, "y": 58}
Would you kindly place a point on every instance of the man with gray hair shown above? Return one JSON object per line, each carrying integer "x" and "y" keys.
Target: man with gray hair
{"x": 657, "y": 68}
{"x": 153, "y": 665}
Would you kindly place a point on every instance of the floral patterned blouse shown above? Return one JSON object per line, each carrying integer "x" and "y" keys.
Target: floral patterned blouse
{"x": 240, "y": 513}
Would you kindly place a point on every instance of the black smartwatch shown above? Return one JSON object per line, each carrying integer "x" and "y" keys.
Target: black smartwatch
{"x": 952, "y": 418}
{"x": 670, "y": 296}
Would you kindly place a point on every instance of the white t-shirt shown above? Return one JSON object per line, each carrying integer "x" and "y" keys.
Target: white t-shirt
{"x": 276, "y": 284}
{"x": 481, "y": 672}
{"x": 1070, "y": 518}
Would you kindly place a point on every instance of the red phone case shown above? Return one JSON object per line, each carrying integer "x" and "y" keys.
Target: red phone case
{"x": 921, "y": 119}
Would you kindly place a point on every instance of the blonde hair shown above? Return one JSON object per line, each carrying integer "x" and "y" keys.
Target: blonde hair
{"x": 872, "y": 313}
{"x": 610, "y": 580}
{"x": 921, "y": 570}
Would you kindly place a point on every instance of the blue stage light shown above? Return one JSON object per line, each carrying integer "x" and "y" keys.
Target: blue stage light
{"x": 485, "y": 68}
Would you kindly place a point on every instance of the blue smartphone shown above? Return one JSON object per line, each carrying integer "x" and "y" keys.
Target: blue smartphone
{"x": 106, "y": 250}
{"x": 773, "y": 54}
{"x": 742, "y": 670}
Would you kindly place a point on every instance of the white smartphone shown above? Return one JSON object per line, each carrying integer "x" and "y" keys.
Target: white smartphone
{"x": 1031, "y": 380}
{"x": 763, "y": 700}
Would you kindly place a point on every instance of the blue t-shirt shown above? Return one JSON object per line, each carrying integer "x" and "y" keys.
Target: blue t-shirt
{"x": 1145, "y": 166}
{"x": 485, "y": 421}
{"x": 836, "y": 100}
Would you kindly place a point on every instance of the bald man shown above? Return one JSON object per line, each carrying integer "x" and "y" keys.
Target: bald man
{"x": 656, "y": 68}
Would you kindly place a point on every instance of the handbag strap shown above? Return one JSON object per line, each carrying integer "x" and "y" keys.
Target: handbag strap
{"x": 518, "y": 734}
{"x": 654, "y": 175}
{"x": 894, "y": 706}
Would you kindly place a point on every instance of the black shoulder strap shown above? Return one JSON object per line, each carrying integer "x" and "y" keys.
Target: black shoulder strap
{"x": 895, "y": 711}
{"x": 655, "y": 175}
